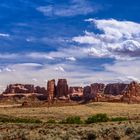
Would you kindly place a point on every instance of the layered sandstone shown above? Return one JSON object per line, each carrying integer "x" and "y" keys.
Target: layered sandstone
{"x": 76, "y": 93}
{"x": 132, "y": 93}
{"x": 115, "y": 89}
{"x": 51, "y": 89}
{"x": 40, "y": 90}
{"x": 62, "y": 88}
{"x": 19, "y": 88}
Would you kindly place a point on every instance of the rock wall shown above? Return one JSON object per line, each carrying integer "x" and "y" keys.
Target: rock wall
{"x": 76, "y": 93}
{"x": 51, "y": 89}
{"x": 19, "y": 88}
{"x": 115, "y": 89}
{"x": 62, "y": 88}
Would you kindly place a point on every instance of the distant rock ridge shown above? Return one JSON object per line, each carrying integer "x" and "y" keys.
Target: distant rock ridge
{"x": 113, "y": 92}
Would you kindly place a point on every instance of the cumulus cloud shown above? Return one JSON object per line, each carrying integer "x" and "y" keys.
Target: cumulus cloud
{"x": 75, "y": 7}
{"x": 118, "y": 39}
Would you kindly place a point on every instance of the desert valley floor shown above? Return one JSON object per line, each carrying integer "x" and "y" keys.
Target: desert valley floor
{"x": 123, "y": 130}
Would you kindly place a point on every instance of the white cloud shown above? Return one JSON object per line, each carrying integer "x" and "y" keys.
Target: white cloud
{"x": 77, "y": 75}
{"x": 4, "y": 35}
{"x": 59, "y": 68}
{"x": 8, "y": 56}
{"x": 75, "y": 7}
{"x": 118, "y": 39}
{"x": 71, "y": 58}
{"x": 36, "y": 55}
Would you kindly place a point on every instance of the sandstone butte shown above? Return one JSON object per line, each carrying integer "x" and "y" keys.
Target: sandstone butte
{"x": 114, "y": 92}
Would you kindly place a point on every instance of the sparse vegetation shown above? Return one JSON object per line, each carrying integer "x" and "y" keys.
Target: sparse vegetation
{"x": 9, "y": 119}
{"x": 97, "y": 118}
{"x": 14, "y": 123}
{"x": 115, "y": 119}
{"x": 51, "y": 121}
{"x": 72, "y": 120}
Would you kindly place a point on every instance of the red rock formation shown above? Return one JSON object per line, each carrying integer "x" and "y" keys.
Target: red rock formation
{"x": 115, "y": 89}
{"x": 76, "y": 93}
{"x": 96, "y": 90}
{"x": 93, "y": 91}
{"x": 87, "y": 93}
{"x": 62, "y": 88}
{"x": 132, "y": 93}
{"x": 51, "y": 89}
{"x": 19, "y": 88}
{"x": 40, "y": 90}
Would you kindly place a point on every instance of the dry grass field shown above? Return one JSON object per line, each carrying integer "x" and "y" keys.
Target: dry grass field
{"x": 120, "y": 130}
{"x": 45, "y": 113}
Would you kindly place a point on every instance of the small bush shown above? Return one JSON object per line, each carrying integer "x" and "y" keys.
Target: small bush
{"x": 119, "y": 119}
{"x": 129, "y": 131}
{"x": 51, "y": 121}
{"x": 97, "y": 118}
{"x": 71, "y": 120}
{"x": 91, "y": 136}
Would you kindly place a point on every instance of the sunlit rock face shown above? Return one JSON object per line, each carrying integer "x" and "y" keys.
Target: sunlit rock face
{"x": 19, "y": 88}
{"x": 76, "y": 93}
{"x": 62, "y": 88}
{"x": 91, "y": 92}
{"x": 97, "y": 88}
{"x": 132, "y": 93}
{"x": 51, "y": 89}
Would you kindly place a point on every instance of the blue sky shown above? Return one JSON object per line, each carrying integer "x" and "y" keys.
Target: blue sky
{"x": 84, "y": 41}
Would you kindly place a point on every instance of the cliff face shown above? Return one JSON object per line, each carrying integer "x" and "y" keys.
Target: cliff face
{"x": 24, "y": 88}
{"x": 51, "y": 89}
{"x": 132, "y": 93}
{"x": 117, "y": 92}
{"x": 76, "y": 93}
{"x": 115, "y": 89}
{"x": 62, "y": 88}
{"x": 19, "y": 88}
{"x": 97, "y": 88}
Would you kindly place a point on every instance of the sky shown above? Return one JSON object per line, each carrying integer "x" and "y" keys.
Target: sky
{"x": 84, "y": 41}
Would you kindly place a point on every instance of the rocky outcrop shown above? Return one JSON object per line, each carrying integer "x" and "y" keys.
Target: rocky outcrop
{"x": 40, "y": 90}
{"x": 87, "y": 93}
{"x": 132, "y": 93}
{"x": 51, "y": 89}
{"x": 19, "y": 88}
{"x": 96, "y": 89}
{"x": 93, "y": 91}
{"x": 115, "y": 89}
{"x": 62, "y": 88}
{"x": 76, "y": 93}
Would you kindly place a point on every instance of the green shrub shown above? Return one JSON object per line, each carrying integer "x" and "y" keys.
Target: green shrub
{"x": 18, "y": 120}
{"x": 71, "y": 120}
{"x": 97, "y": 118}
{"x": 119, "y": 119}
{"x": 51, "y": 121}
